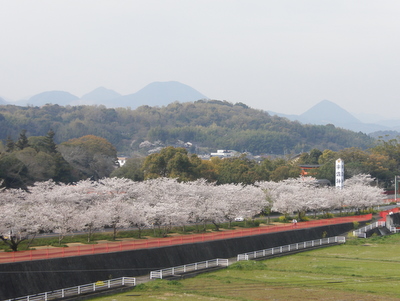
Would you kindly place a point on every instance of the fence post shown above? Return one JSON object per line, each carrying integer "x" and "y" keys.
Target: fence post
{"x": 94, "y": 286}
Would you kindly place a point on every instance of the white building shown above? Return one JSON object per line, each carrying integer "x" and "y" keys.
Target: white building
{"x": 224, "y": 153}
{"x": 121, "y": 161}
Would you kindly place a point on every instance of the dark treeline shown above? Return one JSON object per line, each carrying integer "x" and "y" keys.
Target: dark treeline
{"x": 38, "y": 158}
{"x": 208, "y": 125}
{"x": 381, "y": 162}
{"x": 27, "y": 160}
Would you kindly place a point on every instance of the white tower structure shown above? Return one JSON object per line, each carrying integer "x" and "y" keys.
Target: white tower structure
{"x": 339, "y": 174}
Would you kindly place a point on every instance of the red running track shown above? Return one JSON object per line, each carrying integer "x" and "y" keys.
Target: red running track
{"x": 47, "y": 253}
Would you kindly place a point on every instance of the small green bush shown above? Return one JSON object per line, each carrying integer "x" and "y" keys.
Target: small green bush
{"x": 248, "y": 265}
{"x": 283, "y": 219}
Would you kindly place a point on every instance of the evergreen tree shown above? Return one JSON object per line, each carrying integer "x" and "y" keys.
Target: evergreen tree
{"x": 52, "y": 147}
{"x": 22, "y": 141}
{"x": 10, "y": 145}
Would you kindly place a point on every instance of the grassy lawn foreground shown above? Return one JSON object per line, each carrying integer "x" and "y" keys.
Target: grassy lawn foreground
{"x": 362, "y": 269}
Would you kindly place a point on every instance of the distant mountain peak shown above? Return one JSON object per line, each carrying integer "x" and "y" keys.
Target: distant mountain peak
{"x": 55, "y": 97}
{"x": 101, "y": 94}
{"x": 326, "y": 112}
{"x": 162, "y": 94}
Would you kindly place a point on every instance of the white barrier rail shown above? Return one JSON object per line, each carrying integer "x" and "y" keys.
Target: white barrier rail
{"x": 160, "y": 274}
{"x": 394, "y": 229}
{"x": 78, "y": 290}
{"x": 362, "y": 231}
{"x": 291, "y": 247}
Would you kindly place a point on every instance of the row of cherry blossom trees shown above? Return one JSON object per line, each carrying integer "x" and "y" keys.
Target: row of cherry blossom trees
{"x": 162, "y": 203}
{"x": 303, "y": 195}
{"x": 120, "y": 203}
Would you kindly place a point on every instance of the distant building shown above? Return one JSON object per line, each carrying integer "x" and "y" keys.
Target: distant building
{"x": 322, "y": 183}
{"x": 121, "y": 161}
{"x": 222, "y": 153}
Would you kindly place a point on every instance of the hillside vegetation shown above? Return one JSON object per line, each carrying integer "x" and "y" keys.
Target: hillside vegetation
{"x": 208, "y": 125}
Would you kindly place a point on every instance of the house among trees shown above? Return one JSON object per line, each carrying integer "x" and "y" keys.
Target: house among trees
{"x": 121, "y": 161}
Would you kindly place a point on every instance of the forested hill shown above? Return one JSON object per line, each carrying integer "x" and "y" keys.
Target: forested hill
{"x": 208, "y": 125}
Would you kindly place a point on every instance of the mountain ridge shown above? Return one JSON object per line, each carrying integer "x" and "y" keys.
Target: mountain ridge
{"x": 164, "y": 93}
{"x": 153, "y": 94}
{"x": 327, "y": 112}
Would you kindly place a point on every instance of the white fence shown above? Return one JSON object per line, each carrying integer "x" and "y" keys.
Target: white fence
{"x": 160, "y": 274}
{"x": 362, "y": 232}
{"x": 394, "y": 229}
{"x": 291, "y": 247}
{"x": 81, "y": 289}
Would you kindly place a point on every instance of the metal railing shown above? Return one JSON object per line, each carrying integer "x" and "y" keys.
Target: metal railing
{"x": 394, "y": 229}
{"x": 78, "y": 290}
{"x": 160, "y": 274}
{"x": 362, "y": 232}
{"x": 291, "y": 247}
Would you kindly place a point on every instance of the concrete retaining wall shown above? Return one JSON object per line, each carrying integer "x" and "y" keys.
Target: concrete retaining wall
{"x": 26, "y": 278}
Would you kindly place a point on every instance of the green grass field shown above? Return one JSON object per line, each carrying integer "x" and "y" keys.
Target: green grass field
{"x": 361, "y": 269}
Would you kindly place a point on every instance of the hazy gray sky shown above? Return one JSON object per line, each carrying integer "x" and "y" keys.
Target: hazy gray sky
{"x": 283, "y": 56}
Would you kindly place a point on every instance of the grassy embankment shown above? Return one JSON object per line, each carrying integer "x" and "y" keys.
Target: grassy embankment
{"x": 361, "y": 269}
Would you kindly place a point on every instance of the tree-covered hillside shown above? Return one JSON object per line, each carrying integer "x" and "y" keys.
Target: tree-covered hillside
{"x": 208, "y": 125}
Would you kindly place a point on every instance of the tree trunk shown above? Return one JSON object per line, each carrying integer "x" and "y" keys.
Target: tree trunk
{"x": 216, "y": 226}
{"x": 114, "y": 231}
{"x": 31, "y": 240}
{"x": 89, "y": 237}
